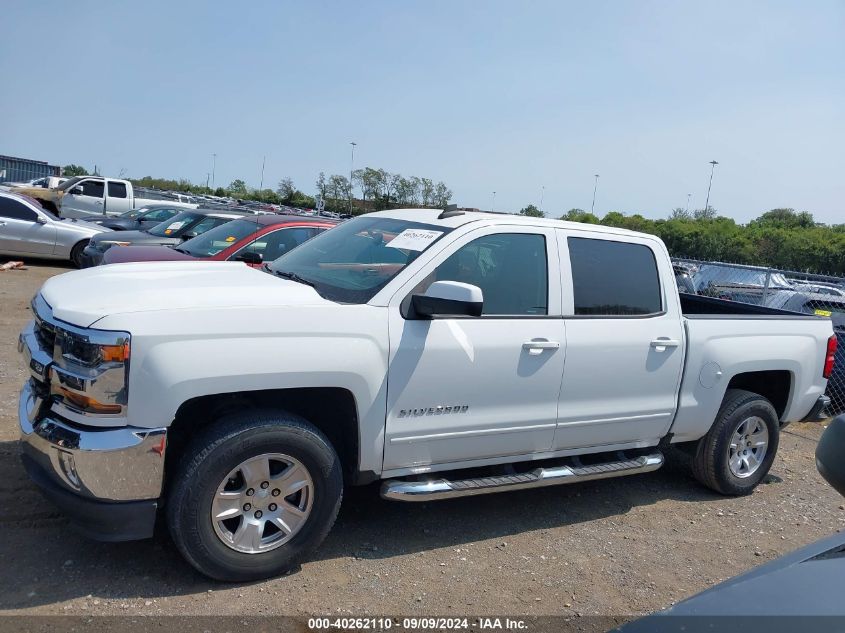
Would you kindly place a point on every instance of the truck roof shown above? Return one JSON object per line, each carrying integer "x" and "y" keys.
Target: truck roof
{"x": 466, "y": 216}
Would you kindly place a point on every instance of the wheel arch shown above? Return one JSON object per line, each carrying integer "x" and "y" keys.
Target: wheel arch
{"x": 332, "y": 410}
{"x": 775, "y": 385}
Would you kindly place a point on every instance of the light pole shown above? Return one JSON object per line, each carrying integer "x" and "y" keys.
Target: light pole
{"x": 689, "y": 195}
{"x": 351, "y": 171}
{"x": 213, "y": 168}
{"x": 713, "y": 164}
{"x": 207, "y": 176}
{"x": 542, "y": 193}
{"x": 261, "y": 185}
{"x": 595, "y": 187}
{"x": 493, "y": 204}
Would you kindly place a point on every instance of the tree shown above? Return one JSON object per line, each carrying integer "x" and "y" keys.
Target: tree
{"x": 442, "y": 195}
{"x": 704, "y": 214}
{"x": 407, "y": 190}
{"x": 285, "y": 189}
{"x": 322, "y": 186}
{"x": 74, "y": 170}
{"x": 531, "y": 211}
{"x": 785, "y": 219}
{"x": 238, "y": 186}
{"x": 579, "y": 215}
{"x": 679, "y": 213}
{"x": 427, "y": 191}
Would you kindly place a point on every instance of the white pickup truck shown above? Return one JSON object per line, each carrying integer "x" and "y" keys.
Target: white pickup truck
{"x": 85, "y": 196}
{"x": 445, "y": 353}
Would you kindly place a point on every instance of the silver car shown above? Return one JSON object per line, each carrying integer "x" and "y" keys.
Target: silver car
{"x": 27, "y": 230}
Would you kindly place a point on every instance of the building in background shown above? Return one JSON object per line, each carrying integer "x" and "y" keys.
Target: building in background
{"x": 23, "y": 169}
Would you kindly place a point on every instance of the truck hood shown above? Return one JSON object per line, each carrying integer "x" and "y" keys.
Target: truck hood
{"x": 85, "y": 296}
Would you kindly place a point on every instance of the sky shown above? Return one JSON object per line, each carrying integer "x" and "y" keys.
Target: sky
{"x": 527, "y": 99}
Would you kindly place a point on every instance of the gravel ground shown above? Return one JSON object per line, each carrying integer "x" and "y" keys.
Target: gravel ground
{"x": 615, "y": 547}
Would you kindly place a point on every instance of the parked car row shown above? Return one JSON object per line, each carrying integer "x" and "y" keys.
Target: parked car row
{"x": 253, "y": 240}
{"x": 152, "y": 233}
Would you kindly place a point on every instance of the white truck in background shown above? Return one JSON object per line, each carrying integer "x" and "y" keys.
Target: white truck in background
{"x": 85, "y": 196}
{"x": 444, "y": 353}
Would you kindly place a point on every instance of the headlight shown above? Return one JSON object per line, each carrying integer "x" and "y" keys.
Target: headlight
{"x": 91, "y": 371}
{"x": 109, "y": 243}
{"x": 79, "y": 348}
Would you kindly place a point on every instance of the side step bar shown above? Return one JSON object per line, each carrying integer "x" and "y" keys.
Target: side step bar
{"x": 405, "y": 490}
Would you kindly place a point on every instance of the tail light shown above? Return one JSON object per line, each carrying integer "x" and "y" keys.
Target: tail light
{"x": 830, "y": 359}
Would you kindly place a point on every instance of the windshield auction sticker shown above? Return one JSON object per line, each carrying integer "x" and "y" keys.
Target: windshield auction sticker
{"x": 414, "y": 239}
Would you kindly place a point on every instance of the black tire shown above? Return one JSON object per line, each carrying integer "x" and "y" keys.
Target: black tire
{"x": 222, "y": 447}
{"x": 710, "y": 462}
{"x": 76, "y": 256}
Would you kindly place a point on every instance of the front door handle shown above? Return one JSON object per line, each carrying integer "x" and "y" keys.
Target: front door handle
{"x": 536, "y": 346}
{"x": 660, "y": 344}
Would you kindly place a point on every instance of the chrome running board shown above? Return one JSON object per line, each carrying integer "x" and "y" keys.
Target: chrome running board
{"x": 434, "y": 489}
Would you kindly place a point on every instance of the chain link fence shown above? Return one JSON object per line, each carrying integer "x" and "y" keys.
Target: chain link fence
{"x": 807, "y": 293}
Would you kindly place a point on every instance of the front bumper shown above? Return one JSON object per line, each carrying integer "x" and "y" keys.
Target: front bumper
{"x": 107, "y": 481}
{"x": 819, "y": 410}
{"x": 91, "y": 257}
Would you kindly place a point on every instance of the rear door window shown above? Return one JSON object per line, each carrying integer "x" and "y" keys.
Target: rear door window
{"x": 613, "y": 278}
{"x": 117, "y": 189}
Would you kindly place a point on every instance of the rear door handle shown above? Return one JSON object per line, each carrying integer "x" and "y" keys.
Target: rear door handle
{"x": 660, "y": 344}
{"x": 536, "y": 346}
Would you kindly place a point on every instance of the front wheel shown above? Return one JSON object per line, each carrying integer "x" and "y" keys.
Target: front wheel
{"x": 253, "y": 495}
{"x": 76, "y": 256}
{"x": 740, "y": 447}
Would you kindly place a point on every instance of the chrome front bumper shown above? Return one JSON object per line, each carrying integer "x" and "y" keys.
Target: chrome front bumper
{"x": 106, "y": 464}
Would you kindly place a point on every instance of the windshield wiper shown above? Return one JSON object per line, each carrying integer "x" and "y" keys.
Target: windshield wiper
{"x": 293, "y": 277}
{"x": 181, "y": 250}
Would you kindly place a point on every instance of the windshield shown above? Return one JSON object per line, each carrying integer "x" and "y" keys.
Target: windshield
{"x": 133, "y": 213}
{"x": 219, "y": 238}
{"x": 352, "y": 262}
{"x": 67, "y": 184}
{"x": 175, "y": 225}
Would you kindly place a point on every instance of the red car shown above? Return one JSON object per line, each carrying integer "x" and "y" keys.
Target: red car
{"x": 252, "y": 240}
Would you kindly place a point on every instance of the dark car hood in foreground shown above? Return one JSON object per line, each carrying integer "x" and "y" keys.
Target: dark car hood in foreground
{"x": 142, "y": 237}
{"x": 807, "y": 582}
{"x": 118, "y": 224}
{"x": 123, "y": 254}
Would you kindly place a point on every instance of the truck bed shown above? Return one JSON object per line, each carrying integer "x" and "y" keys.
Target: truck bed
{"x": 701, "y": 307}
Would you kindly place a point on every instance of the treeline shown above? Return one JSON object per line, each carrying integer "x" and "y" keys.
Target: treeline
{"x": 377, "y": 189}
{"x": 782, "y": 238}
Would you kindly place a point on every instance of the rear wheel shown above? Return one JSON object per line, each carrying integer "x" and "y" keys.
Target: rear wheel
{"x": 253, "y": 495}
{"x": 740, "y": 447}
{"x": 76, "y": 257}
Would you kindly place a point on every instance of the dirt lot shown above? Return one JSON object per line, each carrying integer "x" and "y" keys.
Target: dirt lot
{"x": 619, "y": 547}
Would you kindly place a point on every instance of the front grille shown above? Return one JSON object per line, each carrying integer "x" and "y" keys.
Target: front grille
{"x": 45, "y": 331}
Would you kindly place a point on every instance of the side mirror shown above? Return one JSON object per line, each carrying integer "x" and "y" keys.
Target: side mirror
{"x": 250, "y": 257}
{"x": 76, "y": 191}
{"x": 449, "y": 299}
{"x": 40, "y": 219}
{"x": 830, "y": 454}
{"x": 189, "y": 235}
